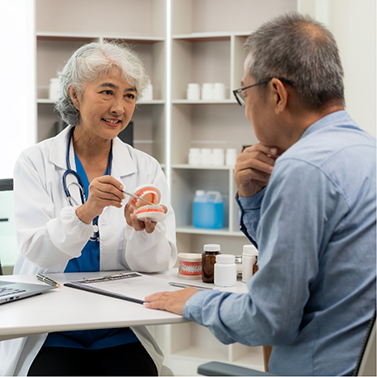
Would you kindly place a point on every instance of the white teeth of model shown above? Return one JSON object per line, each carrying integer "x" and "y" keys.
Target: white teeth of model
{"x": 111, "y": 121}
{"x": 191, "y": 269}
{"x": 142, "y": 196}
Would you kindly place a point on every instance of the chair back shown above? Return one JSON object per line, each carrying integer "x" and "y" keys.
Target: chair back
{"x": 366, "y": 365}
{"x": 8, "y": 240}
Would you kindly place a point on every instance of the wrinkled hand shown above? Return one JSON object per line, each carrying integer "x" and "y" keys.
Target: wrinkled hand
{"x": 131, "y": 219}
{"x": 253, "y": 169}
{"x": 170, "y": 301}
{"x": 104, "y": 191}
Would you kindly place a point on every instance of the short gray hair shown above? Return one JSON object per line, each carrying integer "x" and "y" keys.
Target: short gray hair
{"x": 299, "y": 49}
{"x": 91, "y": 61}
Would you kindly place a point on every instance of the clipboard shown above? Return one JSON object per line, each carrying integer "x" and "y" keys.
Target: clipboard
{"x": 130, "y": 286}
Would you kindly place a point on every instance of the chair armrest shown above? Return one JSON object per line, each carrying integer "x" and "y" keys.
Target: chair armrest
{"x": 215, "y": 368}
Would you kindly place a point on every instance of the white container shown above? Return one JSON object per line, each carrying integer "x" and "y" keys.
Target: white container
{"x": 207, "y": 92}
{"x": 225, "y": 270}
{"x": 249, "y": 259}
{"x": 190, "y": 266}
{"x": 219, "y": 91}
{"x": 147, "y": 93}
{"x": 194, "y": 157}
{"x": 217, "y": 156}
{"x": 231, "y": 156}
{"x": 205, "y": 156}
{"x": 54, "y": 89}
{"x": 193, "y": 92}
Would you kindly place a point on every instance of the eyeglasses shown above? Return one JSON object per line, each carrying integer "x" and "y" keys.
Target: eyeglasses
{"x": 241, "y": 98}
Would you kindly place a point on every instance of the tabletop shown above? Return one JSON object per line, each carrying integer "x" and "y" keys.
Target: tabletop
{"x": 67, "y": 309}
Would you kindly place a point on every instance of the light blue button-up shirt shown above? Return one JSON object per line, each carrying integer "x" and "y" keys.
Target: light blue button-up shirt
{"x": 315, "y": 228}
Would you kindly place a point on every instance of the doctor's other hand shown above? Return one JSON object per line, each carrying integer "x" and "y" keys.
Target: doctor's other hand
{"x": 104, "y": 191}
{"x": 170, "y": 301}
{"x": 253, "y": 169}
{"x": 131, "y": 219}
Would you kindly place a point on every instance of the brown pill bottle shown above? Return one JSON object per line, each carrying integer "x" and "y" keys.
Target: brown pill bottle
{"x": 208, "y": 262}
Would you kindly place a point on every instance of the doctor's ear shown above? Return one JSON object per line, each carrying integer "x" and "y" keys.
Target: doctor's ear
{"x": 74, "y": 96}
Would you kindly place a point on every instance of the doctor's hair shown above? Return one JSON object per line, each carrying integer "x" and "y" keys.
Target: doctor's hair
{"x": 91, "y": 61}
{"x": 302, "y": 51}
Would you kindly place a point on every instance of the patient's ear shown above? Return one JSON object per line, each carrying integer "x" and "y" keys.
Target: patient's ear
{"x": 280, "y": 95}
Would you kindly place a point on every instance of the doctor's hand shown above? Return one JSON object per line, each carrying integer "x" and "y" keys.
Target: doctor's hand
{"x": 253, "y": 169}
{"x": 104, "y": 191}
{"x": 131, "y": 219}
{"x": 170, "y": 301}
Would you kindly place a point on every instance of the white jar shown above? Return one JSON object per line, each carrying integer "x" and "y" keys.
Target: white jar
{"x": 217, "y": 156}
{"x": 249, "y": 261}
{"x": 207, "y": 92}
{"x": 205, "y": 156}
{"x": 231, "y": 156}
{"x": 193, "y": 91}
{"x": 219, "y": 91}
{"x": 147, "y": 93}
{"x": 194, "y": 156}
{"x": 54, "y": 89}
{"x": 225, "y": 270}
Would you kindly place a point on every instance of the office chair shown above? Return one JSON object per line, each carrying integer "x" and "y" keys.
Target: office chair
{"x": 8, "y": 241}
{"x": 366, "y": 364}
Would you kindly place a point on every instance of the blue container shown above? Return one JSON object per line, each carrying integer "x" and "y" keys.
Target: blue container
{"x": 208, "y": 210}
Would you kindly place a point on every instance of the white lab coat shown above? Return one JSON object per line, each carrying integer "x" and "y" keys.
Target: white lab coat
{"x": 50, "y": 234}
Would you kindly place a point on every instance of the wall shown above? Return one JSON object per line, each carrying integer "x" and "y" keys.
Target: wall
{"x": 17, "y": 100}
{"x": 353, "y": 23}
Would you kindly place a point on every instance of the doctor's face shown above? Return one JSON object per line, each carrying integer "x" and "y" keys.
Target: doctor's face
{"x": 106, "y": 105}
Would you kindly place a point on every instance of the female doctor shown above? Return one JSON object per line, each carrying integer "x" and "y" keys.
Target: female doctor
{"x": 100, "y": 85}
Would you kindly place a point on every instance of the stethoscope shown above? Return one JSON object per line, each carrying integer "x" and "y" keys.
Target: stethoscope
{"x": 80, "y": 185}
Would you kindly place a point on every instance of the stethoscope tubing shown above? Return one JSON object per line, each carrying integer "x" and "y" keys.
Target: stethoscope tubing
{"x": 79, "y": 183}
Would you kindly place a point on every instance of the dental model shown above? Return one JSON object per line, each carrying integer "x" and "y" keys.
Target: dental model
{"x": 142, "y": 210}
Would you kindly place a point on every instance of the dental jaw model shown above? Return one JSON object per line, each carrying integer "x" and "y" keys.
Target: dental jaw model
{"x": 142, "y": 209}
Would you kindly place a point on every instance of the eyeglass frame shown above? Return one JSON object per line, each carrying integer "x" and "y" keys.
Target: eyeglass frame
{"x": 237, "y": 92}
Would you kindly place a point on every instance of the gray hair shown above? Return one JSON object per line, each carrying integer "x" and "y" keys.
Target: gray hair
{"x": 91, "y": 61}
{"x": 299, "y": 49}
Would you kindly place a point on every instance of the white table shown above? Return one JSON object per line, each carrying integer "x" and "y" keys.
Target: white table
{"x": 68, "y": 309}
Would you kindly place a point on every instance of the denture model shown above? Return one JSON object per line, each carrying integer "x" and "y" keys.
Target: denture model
{"x": 142, "y": 209}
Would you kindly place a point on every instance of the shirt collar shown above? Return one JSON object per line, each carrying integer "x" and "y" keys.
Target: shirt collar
{"x": 340, "y": 117}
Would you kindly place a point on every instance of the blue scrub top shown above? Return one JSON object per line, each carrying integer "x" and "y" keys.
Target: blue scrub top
{"x": 89, "y": 261}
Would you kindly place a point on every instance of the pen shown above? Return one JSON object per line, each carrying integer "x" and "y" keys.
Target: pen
{"x": 137, "y": 197}
{"x": 182, "y": 285}
{"x": 47, "y": 280}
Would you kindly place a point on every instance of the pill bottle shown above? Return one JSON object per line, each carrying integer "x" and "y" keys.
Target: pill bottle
{"x": 249, "y": 262}
{"x": 239, "y": 266}
{"x": 208, "y": 261}
{"x": 54, "y": 89}
{"x": 225, "y": 270}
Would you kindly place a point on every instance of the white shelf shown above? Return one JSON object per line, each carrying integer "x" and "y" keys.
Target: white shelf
{"x": 202, "y": 167}
{"x": 91, "y": 36}
{"x": 205, "y": 102}
{"x": 214, "y": 36}
{"x": 190, "y": 229}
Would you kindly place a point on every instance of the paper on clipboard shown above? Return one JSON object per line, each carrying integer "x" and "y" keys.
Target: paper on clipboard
{"x": 130, "y": 286}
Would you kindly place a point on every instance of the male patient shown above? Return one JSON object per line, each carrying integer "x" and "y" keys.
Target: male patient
{"x": 307, "y": 198}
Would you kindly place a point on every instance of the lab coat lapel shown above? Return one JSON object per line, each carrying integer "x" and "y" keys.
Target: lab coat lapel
{"x": 58, "y": 156}
{"x": 123, "y": 164}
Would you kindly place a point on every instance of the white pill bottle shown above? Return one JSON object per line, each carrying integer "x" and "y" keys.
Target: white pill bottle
{"x": 249, "y": 262}
{"x": 225, "y": 270}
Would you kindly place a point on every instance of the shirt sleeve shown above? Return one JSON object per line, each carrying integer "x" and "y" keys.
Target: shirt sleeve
{"x": 249, "y": 214}
{"x": 289, "y": 242}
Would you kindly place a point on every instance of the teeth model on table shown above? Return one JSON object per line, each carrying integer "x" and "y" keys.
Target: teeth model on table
{"x": 142, "y": 210}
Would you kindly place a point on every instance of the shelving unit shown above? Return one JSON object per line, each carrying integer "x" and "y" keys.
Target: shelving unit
{"x": 204, "y": 43}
